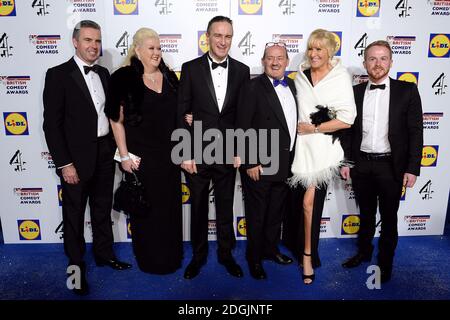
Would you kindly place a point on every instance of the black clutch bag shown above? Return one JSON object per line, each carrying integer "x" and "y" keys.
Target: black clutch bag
{"x": 130, "y": 197}
{"x": 324, "y": 114}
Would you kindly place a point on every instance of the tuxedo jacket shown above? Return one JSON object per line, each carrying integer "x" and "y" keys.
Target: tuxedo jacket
{"x": 260, "y": 108}
{"x": 196, "y": 95}
{"x": 70, "y": 118}
{"x": 405, "y": 129}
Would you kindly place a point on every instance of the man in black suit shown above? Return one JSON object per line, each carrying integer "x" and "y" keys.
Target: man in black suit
{"x": 209, "y": 89}
{"x": 385, "y": 144}
{"x": 267, "y": 103}
{"x": 78, "y": 137}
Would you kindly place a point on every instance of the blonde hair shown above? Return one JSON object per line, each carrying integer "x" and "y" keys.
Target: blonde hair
{"x": 139, "y": 37}
{"x": 325, "y": 38}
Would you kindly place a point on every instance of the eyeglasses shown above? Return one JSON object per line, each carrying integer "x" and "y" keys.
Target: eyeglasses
{"x": 279, "y": 43}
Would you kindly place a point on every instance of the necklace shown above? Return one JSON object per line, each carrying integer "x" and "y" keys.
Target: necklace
{"x": 149, "y": 77}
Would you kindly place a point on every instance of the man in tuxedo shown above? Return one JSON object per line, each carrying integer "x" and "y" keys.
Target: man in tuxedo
{"x": 385, "y": 144}
{"x": 209, "y": 90}
{"x": 78, "y": 137}
{"x": 267, "y": 103}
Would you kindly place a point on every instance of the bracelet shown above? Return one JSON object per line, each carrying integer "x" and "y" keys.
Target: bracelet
{"x": 125, "y": 158}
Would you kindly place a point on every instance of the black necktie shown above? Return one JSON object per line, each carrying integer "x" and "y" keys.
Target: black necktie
{"x": 93, "y": 68}
{"x": 377, "y": 86}
{"x": 283, "y": 82}
{"x": 222, "y": 64}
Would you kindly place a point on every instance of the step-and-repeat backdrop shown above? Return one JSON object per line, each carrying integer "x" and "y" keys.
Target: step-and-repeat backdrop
{"x": 36, "y": 35}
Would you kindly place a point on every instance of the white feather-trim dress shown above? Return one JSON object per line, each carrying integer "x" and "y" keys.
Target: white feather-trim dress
{"x": 317, "y": 159}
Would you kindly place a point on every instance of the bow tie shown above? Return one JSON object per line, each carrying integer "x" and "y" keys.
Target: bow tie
{"x": 93, "y": 68}
{"x": 377, "y": 86}
{"x": 283, "y": 82}
{"x": 222, "y": 64}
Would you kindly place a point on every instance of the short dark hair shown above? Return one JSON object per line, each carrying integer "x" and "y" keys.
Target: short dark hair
{"x": 84, "y": 24}
{"x": 218, "y": 19}
{"x": 380, "y": 43}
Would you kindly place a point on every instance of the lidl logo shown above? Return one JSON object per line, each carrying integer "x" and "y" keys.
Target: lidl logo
{"x": 368, "y": 8}
{"x": 290, "y": 74}
{"x": 430, "y": 156}
{"x": 241, "y": 229}
{"x": 59, "y": 188}
{"x": 128, "y": 229}
{"x": 338, "y": 38}
{"x": 350, "y": 224}
{"x": 29, "y": 229}
{"x": 126, "y": 7}
{"x": 185, "y": 194}
{"x": 439, "y": 46}
{"x": 16, "y": 123}
{"x": 7, "y": 8}
{"x": 203, "y": 46}
{"x": 403, "y": 196}
{"x": 250, "y": 7}
{"x": 408, "y": 77}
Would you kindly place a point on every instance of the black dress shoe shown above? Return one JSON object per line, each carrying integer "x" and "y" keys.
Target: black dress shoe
{"x": 233, "y": 268}
{"x": 192, "y": 270}
{"x": 113, "y": 263}
{"x": 257, "y": 271}
{"x": 280, "y": 258}
{"x": 356, "y": 260}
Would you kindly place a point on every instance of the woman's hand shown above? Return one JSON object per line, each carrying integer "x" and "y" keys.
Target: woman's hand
{"x": 305, "y": 128}
{"x": 189, "y": 118}
{"x": 130, "y": 165}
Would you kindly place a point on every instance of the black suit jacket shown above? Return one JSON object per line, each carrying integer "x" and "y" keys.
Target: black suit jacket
{"x": 196, "y": 95}
{"x": 405, "y": 127}
{"x": 260, "y": 108}
{"x": 70, "y": 118}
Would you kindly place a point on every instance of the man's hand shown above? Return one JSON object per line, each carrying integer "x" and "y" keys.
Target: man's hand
{"x": 70, "y": 174}
{"x": 409, "y": 180}
{"x": 254, "y": 173}
{"x": 345, "y": 173}
{"x": 237, "y": 162}
{"x": 189, "y": 166}
{"x": 189, "y": 118}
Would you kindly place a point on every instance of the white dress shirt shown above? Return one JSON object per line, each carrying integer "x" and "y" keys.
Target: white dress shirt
{"x": 375, "y": 119}
{"x": 97, "y": 92}
{"x": 220, "y": 79}
{"x": 287, "y": 102}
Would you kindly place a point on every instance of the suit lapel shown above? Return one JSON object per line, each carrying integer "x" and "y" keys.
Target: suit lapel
{"x": 274, "y": 102}
{"x": 75, "y": 73}
{"x": 392, "y": 96}
{"x": 359, "y": 101}
{"x": 230, "y": 83}
{"x": 207, "y": 76}
{"x": 291, "y": 84}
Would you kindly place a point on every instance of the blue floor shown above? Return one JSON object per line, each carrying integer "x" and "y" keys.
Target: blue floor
{"x": 422, "y": 272}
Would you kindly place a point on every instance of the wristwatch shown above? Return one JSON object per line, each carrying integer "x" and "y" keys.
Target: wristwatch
{"x": 316, "y": 130}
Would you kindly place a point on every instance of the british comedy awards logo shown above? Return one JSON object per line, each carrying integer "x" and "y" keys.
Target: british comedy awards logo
{"x": 28, "y": 195}
{"x": 439, "y": 45}
{"x": 417, "y": 222}
{"x": 15, "y": 85}
{"x": 431, "y": 120}
{"x": 7, "y": 8}
{"x": 368, "y": 8}
{"x": 47, "y": 157}
{"x": 45, "y": 44}
{"x": 328, "y": 6}
{"x": 5, "y": 47}
{"x": 84, "y": 6}
{"x": 16, "y": 123}
{"x": 439, "y": 7}
{"x": 401, "y": 45}
{"x": 360, "y": 78}
{"x": 250, "y": 7}
{"x": 170, "y": 43}
{"x": 126, "y": 7}
{"x": 292, "y": 41}
{"x": 206, "y": 6}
